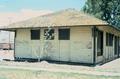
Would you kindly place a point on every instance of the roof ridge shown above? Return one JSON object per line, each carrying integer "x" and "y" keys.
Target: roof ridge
{"x": 49, "y": 14}
{"x": 64, "y": 17}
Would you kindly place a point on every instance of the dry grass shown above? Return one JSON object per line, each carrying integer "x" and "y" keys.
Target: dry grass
{"x": 30, "y": 74}
{"x": 8, "y": 73}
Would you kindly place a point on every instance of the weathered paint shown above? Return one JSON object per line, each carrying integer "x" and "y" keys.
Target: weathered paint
{"x": 108, "y": 51}
{"x": 77, "y": 49}
{"x": 81, "y": 45}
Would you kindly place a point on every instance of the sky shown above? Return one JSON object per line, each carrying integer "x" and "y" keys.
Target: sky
{"x": 18, "y": 10}
{"x": 54, "y": 5}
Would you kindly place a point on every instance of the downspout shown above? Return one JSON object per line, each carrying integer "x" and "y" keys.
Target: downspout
{"x": 94, "y": 45}
{"x": 15, "y": 34}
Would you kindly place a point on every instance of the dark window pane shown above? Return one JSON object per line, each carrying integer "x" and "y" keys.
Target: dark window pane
{"x": 64, "y": 34}
{"x": 49, "y": 34}
{"x": 109, "y": 39}
{"x": 116, "y": 46}
{"x": 99, "y": 43}
{"x": 35, "y": 34}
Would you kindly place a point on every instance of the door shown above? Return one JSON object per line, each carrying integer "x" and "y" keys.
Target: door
{"x": 99, "y": 43}
{"x": 35, "y": 43}
{"x": 99, "y": 46}
{"x": 35, "y": 48}
{"x": 50, "y": 44}
{"x": 64, "y": 44}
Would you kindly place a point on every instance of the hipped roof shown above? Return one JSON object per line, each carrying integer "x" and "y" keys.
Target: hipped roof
{"x": 68, "y": 17}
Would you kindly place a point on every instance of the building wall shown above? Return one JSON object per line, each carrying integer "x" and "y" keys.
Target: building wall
{"x": 78, "y": 49}
{"x": 108, "y": 51}
{"x": 81, "y": 44}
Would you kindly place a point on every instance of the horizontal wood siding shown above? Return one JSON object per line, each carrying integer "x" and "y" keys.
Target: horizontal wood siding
{"x": 78, "y": 49}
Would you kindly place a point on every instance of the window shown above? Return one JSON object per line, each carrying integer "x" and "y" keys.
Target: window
{"x": 64, "y": 34}
{"x": 109, "y": 39}
{"x": 99, "y": 43}
{"x": 35, "y": 34}
{"x": 49, "y": 34}
{"x": 116, "y": 45}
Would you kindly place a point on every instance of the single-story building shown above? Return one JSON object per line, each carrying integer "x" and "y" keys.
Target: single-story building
{"x": 68, "y": 35}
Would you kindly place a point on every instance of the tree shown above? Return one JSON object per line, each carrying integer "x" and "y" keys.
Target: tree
{"x": 107, "y": 10}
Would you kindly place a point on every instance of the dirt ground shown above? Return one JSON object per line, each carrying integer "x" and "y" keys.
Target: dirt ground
{"x": 6, "y": 54}
{"x": 113, "y": 66}
{"x": 110, "y": 69}
{"x": 7, "y": 73}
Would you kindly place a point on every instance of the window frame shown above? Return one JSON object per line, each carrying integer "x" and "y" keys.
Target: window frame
{"x": 33, "y": 33}
{"x": 51, "y": 32}
{"x": 65, "y": 37}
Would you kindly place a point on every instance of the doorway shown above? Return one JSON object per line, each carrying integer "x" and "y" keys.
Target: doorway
{"x": 116, "y": 46}
{"x": 99, "y": 43}
{"x": 64, "y": 44}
